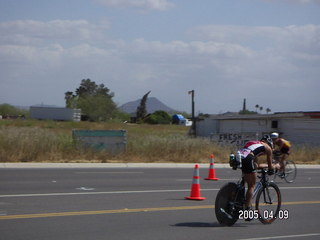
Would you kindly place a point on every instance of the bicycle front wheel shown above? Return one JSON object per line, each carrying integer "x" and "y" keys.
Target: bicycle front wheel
{"x": 227, "y": 204}
{"x": 290, "y": 171}
{"x": 268, "y": 203}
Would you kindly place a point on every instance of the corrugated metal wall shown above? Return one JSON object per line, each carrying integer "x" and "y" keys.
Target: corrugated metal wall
{"x": 301, "y": 130}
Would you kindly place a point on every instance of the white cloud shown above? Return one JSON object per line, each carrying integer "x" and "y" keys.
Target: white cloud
{"x": 189, "y": 51}
{"x": 30, "y": 31}
{"x": 219, "y": 62}
{"x": 140, "y": 4}
{"x": 291, "y": 39}
{"x": 296, "y": 1}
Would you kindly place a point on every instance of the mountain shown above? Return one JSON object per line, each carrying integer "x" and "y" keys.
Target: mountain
{"x": 153, "y": 104}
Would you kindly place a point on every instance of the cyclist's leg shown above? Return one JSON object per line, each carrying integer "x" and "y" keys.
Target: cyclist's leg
{"x": 250, "y": 179}
{"x": 249, "y": 173}
{"x": 276, "y": 166}
{"x": 284, "y": 155}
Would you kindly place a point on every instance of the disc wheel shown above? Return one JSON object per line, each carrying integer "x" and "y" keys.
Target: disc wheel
{"x": 228, "y": 203}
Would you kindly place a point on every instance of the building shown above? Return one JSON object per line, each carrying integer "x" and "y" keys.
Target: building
{"x": 297, "y": 127}
{"x": 45, "y": 112}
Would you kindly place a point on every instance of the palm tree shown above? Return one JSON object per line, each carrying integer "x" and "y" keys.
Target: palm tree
{"x": 268, "y": 110}
{"x": 257, "y": 107}
{"x": 261, "y": 108}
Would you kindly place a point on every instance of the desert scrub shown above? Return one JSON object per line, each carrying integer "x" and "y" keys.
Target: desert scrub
{"x": 305, "y": 154}
{"x": 174, "y": 148}
{"x": 32, "y": 140}
{"x": 32, "y": 144}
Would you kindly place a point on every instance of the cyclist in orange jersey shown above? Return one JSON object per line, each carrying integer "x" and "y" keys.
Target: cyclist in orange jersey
{"x": 283, "y": 146}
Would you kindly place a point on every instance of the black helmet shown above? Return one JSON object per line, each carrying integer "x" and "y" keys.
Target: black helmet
{"x": 266, "y": 138}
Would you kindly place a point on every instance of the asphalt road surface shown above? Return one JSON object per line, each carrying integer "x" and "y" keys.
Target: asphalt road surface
{"x": 141, "y": 203}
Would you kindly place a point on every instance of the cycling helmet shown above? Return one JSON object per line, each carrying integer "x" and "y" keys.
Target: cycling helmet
{"x": 266, "y": 138}
{"x": 274, "y": 135}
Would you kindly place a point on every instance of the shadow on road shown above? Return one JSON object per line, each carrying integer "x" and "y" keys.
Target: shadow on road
{"x": 204, "y": 225}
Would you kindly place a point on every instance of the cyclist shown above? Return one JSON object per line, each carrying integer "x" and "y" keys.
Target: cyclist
{"x": 248, "y": 155}
{"x": 283, "y": 146}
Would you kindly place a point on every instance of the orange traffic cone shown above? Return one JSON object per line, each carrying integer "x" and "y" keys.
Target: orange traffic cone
{"x": 212, "y": 171}
{"x": 195, "y": 188}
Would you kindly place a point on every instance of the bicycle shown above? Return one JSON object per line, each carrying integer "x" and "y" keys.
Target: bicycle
{"x": 230, "y": 200}
{"x": 290, "y": 169}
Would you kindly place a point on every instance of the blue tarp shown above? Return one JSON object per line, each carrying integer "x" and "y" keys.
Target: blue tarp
{"x": 177, "y": 118}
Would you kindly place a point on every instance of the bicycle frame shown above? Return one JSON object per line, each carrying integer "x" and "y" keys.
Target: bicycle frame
{"x": 263, "y": 182}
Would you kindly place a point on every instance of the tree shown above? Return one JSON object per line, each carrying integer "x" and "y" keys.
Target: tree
{"x": 95, "y": 101}
{"x": 9, "y": 110}
{"x": 261, "y": 108}
{"x": 268, "y": 110}
{"x": 158, "y": 117}
{"x": 247, "y": 112}
{"x": 257, "y": 107}
{"x": 142, "y": 108}
{"x": 71, "y": 99}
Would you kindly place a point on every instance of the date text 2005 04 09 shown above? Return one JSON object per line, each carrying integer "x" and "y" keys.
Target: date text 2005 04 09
{"x": 253, "y": 214}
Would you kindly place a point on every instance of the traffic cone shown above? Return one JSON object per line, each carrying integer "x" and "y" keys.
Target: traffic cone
{"x": 195, "y": 188}
{"x": 212, "y": 171}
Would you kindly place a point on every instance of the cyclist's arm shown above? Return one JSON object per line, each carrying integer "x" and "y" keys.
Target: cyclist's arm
{"x": 280, "y": 143}
{"x": 268, "y": 152}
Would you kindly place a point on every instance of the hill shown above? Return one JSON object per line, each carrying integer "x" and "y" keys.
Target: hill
{"x": 153, "y": 104}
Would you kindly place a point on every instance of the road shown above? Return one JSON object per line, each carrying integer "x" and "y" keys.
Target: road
{"x": 140, "y": 203}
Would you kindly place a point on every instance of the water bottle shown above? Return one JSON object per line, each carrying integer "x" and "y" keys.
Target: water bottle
{"x": 238, "y": 159}
{"x": 232, "y": 161}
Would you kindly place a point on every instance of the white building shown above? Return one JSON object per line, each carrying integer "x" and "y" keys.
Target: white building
{"x": 297, "y": 127}
{"x": 45, "y": 112}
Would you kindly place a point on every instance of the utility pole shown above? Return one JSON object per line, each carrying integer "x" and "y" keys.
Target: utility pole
{"x": 193, "y": 126}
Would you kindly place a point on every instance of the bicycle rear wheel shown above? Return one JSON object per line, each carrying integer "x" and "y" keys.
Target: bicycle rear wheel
{"x": 290, "y": 171}
{"x": 268, "y": 203}
{"x": 228, "y": 203}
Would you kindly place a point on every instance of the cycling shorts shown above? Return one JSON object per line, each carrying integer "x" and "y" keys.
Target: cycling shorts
{"x": 285, "y": 150}
{"x": 248, "y": 165}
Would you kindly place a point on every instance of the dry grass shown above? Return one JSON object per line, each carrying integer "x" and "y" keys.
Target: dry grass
{"x": 305, "y": 154}
{"x": 173, "y": 148}
{"x": 29, "y": 140}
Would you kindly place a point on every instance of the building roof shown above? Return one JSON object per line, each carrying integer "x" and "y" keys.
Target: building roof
{"x": 45, "y": 106}
{"x": 229, "y": 116}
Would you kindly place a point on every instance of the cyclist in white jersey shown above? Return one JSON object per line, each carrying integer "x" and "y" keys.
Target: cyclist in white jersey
{"x": 249, "y": 154}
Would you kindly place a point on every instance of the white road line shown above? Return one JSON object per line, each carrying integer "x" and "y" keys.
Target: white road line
{"x": 315, "y": 187}
{"x": 96, "y": 193}
{"x": 220, "y": 179}
{"x": 228, "y": 179}
{"x": 286, "y": 236}
{"x": 126, "y": 192}
{"x": 109, "y": 172}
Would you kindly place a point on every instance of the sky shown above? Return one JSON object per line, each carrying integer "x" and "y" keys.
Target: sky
{"x": 264, "y": 51}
